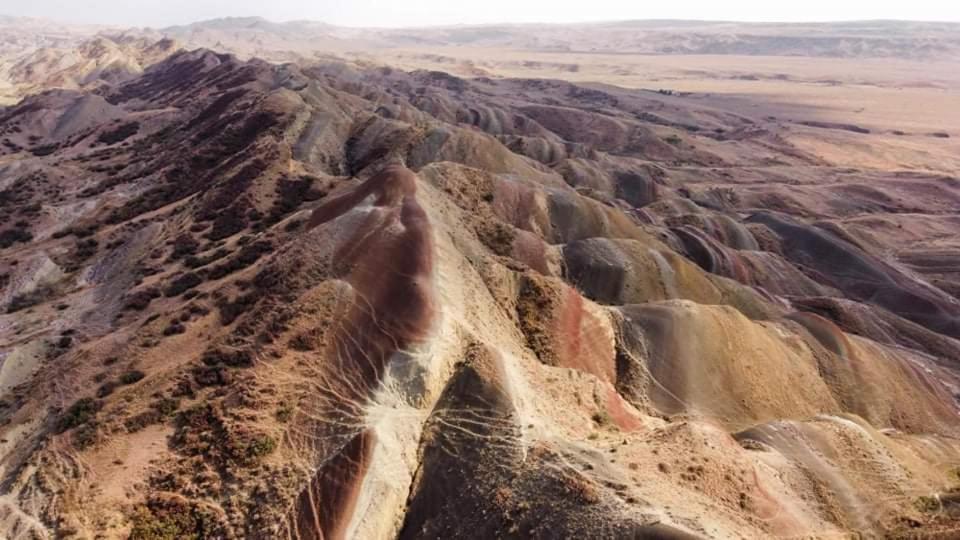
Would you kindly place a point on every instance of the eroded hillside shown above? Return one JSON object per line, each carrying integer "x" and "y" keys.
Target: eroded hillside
{"x": 255, "y": 301}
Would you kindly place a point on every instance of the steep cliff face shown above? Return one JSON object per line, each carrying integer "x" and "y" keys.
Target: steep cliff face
{"x": 260, "y": 301}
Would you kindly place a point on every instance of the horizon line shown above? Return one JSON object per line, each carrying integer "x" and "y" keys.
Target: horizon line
{"x": 478, "y": 25}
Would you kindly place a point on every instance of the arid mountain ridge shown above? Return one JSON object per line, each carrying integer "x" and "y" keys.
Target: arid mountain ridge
{"x": 327, "y": 300}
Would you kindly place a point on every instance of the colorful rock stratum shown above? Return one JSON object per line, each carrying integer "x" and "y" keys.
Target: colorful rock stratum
{"x": 320, "y": 301}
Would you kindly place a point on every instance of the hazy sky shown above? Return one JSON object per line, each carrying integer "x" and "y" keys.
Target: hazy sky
{"x": 433, "y": 12}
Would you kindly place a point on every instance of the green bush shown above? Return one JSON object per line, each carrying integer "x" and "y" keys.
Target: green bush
{"x": 82, "y": 411}
{"x": 85, "y": 436}
{"x": 29, "y": 299}
{"x": 166, "y": 406}
{"x": 139, "y": 300}
{"x": 927, "y": 504}
{"x": 106, "y": 389}
{"x": 182, "y": 283}
{"x": 673, "y": 139}
{"x": 261, "y": 447}
{"x": 174, "y": 328}
{"x": 132, "y": 376}
{"x": 12, "y": 236}
{"x": 285, "y": 412}
{"x": 147, "y": 526}
{"x": 121, "y": 133}
{"x": 184, "y": 245}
